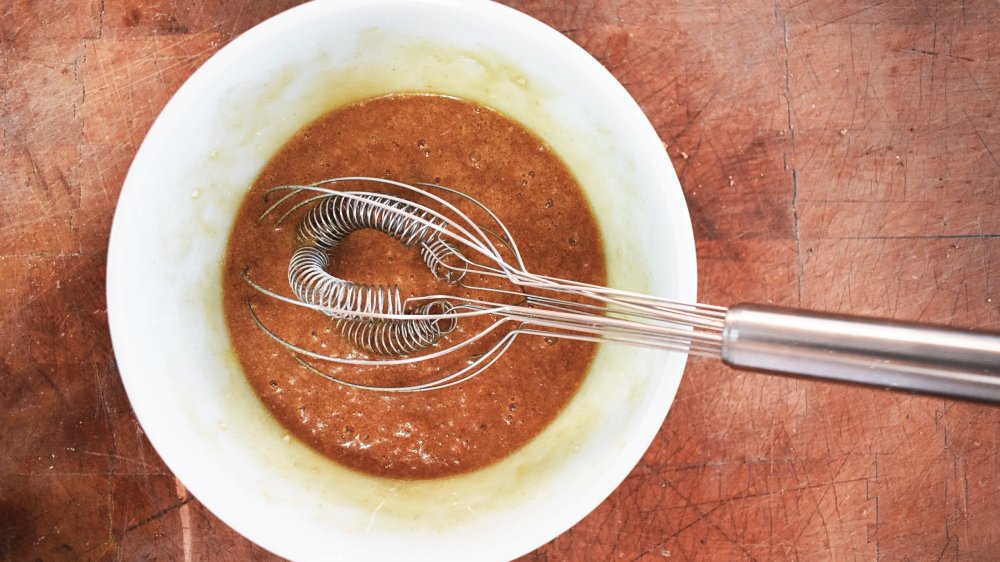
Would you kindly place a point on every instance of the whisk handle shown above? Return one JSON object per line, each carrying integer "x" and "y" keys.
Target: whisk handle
{"x": 923, "y": 358}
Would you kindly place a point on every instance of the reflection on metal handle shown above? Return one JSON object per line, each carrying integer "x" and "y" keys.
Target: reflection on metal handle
{"x": 908, "y": 356}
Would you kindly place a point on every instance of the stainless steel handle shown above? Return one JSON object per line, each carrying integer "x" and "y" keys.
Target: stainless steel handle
{"x": 904, "y": 355}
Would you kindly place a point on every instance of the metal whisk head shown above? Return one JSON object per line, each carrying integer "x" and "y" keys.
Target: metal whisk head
{"x": 482, "y": 258}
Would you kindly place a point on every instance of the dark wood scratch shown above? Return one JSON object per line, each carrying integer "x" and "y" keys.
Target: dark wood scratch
{"x": 157, "y": 515}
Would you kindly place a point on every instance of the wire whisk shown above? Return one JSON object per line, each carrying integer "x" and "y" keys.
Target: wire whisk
{"x": 484, "y": 260}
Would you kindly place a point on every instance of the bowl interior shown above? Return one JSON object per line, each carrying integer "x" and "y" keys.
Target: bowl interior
{"x": 169, "y": 238}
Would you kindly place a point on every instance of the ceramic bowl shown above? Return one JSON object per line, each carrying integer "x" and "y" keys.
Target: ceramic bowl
{"x": 170, "y": 232}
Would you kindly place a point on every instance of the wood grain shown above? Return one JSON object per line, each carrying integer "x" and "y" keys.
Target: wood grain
{"x": 838, "y": 155}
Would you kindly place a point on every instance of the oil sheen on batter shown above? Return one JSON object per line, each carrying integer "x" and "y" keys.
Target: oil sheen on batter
{"x": 414, "y": 138}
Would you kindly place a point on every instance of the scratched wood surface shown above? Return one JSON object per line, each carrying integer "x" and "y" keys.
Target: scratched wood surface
{"x": 835, "y": 155}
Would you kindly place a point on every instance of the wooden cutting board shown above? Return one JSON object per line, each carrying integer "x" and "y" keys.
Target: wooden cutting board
{"x": 839, "y": 155}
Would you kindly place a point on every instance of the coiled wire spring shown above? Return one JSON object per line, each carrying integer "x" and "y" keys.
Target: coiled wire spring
{"x": 327, "y": 223}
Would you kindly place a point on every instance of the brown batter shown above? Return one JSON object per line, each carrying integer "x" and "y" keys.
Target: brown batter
{"x": 413, "y": 138}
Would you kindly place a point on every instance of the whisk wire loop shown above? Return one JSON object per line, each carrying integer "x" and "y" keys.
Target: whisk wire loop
{"x": 457, "y": 250}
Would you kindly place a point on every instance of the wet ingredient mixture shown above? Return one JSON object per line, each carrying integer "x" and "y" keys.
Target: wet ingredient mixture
{"x": 413, "y": 138}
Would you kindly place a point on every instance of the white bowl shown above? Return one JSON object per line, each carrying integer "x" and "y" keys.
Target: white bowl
{"x": 170, "y": 232}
